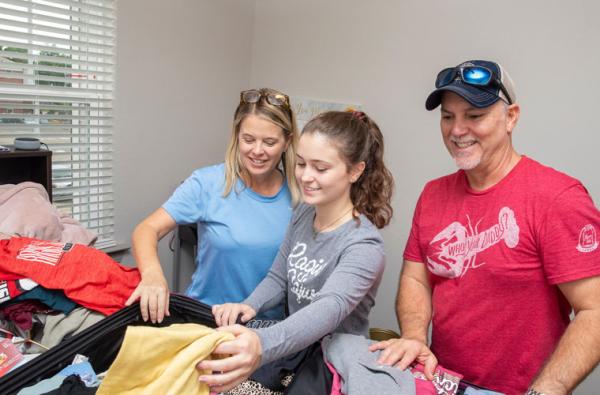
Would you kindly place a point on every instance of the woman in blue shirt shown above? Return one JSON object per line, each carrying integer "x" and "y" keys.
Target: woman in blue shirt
{"x": 241, "y": 207}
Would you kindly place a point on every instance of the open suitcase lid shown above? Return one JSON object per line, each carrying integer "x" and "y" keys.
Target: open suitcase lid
{"x": 101, "y": 342}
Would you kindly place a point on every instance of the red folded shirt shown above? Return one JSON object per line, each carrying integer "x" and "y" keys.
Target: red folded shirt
{"x": 86, "y": 275}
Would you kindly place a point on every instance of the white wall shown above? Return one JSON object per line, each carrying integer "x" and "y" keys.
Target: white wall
{"x": 382, "y": 54}
{"x": 385, "y": 54}
{"x": 180, "y": 65}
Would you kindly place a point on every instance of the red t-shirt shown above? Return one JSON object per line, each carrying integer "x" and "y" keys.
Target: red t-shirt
{"x": 494, "y": 258}
{"x": 87, "y": 276}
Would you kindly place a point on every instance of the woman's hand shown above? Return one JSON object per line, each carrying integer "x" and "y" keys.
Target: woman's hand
{"x": 153, "y": 290}
{"x": 227, "y": 314}
{"x": 153, "y": 293}
{"x": 246, "y": 353}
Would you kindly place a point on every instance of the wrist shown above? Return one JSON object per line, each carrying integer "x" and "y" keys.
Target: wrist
{"x": 414, "y": 336}
{"x": 251, "y": 305}
{"x": 537, "y": 389}
{"x": 543, "y": 386}
{"x": 414, "y": 329}
{"x": 257, "y": 347}
{"x": 154, "y": 271}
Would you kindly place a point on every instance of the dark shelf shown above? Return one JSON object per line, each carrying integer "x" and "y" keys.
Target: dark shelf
{"x": 18, "y": 166}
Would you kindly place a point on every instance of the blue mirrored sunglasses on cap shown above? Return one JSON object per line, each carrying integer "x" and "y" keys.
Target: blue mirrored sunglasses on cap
{"x": 472, "y": 75}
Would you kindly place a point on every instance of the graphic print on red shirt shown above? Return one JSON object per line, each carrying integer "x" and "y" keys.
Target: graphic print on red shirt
{"x": 456, "y": 247}
{"x": 494, "y": 258}
{"x": 44, "y": 252}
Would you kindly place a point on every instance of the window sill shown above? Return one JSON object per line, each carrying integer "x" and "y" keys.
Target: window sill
{"x": 117, "y": 251}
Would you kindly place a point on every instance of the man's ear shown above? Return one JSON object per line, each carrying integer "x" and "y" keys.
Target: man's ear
{"x": 512, "y": 117}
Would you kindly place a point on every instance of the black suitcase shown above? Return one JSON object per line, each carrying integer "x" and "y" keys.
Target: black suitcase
{"x": 101, "y": 342}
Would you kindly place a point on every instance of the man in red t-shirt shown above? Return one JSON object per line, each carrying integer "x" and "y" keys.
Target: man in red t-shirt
{"x": 498, "y": 254}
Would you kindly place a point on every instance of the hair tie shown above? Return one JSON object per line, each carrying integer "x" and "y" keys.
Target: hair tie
{"x": 359, "y": 115}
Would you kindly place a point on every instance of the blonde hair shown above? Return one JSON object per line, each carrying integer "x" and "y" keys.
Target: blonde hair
{"x": 282, "y": 116}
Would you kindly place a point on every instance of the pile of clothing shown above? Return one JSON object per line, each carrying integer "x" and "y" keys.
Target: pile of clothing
{"x": 52, "y": 283}
{"x": 341, "y": 364}
{"x": 79, "y": 378}
{"x": 25, "y": 210}
{"x": 355, "y": 371}
{"x": 150, "y": 361}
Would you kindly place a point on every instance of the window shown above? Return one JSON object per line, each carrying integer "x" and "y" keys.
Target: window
{"x": 56, "y": 84}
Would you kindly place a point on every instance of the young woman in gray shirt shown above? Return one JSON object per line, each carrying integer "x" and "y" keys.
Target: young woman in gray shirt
{"x": 330, "y": 263}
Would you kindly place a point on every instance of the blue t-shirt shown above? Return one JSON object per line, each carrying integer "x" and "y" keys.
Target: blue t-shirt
{"x": 238, "y": 235}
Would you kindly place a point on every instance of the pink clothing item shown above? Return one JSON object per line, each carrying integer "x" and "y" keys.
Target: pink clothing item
{"x": 87, "y": 276}
{"x": 21, "y": 313}
{"x": 494, "y": 258}
{"x": 336, "y": 387}
{"x": 25, "y": 210}
{"x": 445, "y": 382}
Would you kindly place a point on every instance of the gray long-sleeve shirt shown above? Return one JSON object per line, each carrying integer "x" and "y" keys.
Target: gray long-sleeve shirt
{"x": 331, "y": 280}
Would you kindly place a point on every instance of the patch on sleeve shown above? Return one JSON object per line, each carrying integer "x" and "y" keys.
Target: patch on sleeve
{"x": 588, "y": 240}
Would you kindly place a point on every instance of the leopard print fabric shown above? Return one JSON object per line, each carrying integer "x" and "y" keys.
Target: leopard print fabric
{"x": 250, "y": 387}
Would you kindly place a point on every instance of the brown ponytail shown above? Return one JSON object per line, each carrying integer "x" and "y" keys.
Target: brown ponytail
{"x": 360, "y": 140}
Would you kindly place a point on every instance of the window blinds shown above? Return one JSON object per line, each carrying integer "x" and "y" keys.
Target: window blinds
{"x": 56, "y": 84}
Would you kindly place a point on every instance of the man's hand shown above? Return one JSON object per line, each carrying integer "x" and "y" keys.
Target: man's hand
{"x": 401, "y": 353}
{"x": 246, "y": 353}
{"x": 226, "y": 314}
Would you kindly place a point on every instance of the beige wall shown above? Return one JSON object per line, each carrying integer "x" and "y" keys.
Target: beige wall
{"x": 180, "y": 66}
{"x": 385, "y": 54}
{"x": 382, "y": 54}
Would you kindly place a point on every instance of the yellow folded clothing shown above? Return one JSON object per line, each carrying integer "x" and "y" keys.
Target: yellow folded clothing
{"x": 162, "y": 360}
